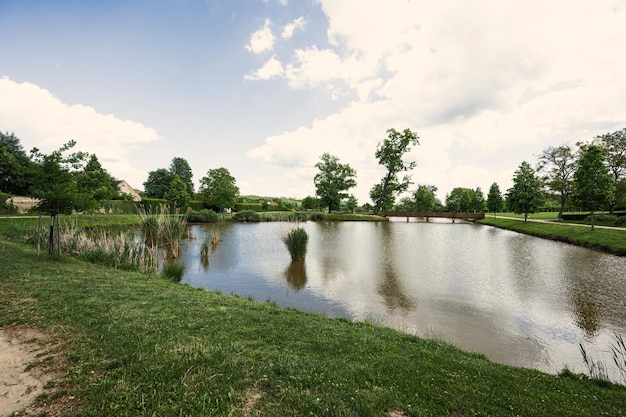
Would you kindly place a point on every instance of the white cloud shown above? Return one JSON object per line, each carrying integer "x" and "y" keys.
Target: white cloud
{"x": 485, "y": 84}
{"x": 41, "y": 120}
{"x": 290, "y": 28}
{"x": 262, "y": 40}
{"x": 272, "y": 68}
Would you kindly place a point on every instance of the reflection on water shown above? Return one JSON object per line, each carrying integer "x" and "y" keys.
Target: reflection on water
{"x": 518, "y": 299}
{"x": 296, "y": 275}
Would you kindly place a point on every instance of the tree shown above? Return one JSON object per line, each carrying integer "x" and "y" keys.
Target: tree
{"x": 177, "y": 195}
{"x": 614, "y": 146}
{"x": 15, "y": 166}
{"x": 424, "y": 197}
{"x": 219, "y": 189}
{"x": 332, "y": 181}
{"x": 525, "y": 196}
{"x": 593, "y": 185}
{"x": 461, "y": 199}
{"x": 180, "y": 167}
{"x": 96, "y": 184}
{"x": 495, "y": 202}
{"x": 54, "y": 183}
{"x": 478, "y": 201}
{"x": 310, "y": 203}
{"x": 389, "y": 154}
{"x": 158, "y": 183}
{"x": 352, "y": 203}
{"x": 557, "y": 166}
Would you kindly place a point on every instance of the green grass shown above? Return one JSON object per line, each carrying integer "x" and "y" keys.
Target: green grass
{"x": 608, "y": 240}
{"x": 138, "y": 344}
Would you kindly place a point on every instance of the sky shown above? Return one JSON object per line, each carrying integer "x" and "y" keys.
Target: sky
{"x": 265, "y": 87}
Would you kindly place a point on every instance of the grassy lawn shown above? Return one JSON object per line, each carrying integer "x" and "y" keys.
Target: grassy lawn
{"x": 137, "y": 344}
{"x": 613, "y": 241}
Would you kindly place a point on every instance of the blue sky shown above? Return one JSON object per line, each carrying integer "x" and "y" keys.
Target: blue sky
{"x": 264, "y": 88}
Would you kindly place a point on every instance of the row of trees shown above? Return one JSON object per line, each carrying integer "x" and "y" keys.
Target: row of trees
{"x": 334, "y": 179}
{"x": 62, "y": 180}
{"x": 218, "y": 188}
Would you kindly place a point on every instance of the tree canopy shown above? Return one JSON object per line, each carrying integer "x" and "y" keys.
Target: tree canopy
{"x": 526, "y": 195}
{"x": 180, "y": 167}
{"x": 614, "y": 147}
{"x": 557, "y": 164}
{"x": 15, "y": 166}
{"x": 495, "y": 202}
{"x": 593, "y": 185}
{"x": 424, "y": 197}
{"x": 218, "y": 189}
{"x": 177, "y": 195}
{"x": 333, "y": 181}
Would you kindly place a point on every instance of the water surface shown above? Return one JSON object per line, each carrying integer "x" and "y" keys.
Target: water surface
{"x": 519, "y": 300}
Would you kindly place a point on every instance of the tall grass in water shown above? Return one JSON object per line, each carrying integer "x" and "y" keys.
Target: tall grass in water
{"x": 173, "y": 270}
{"x": 598, "y": 370}
{"x": 164, "y": 229}
{"x": 296, "y": 241}
{"x": 209, "y": 244}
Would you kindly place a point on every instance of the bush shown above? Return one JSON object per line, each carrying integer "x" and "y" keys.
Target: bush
{"x": 296, "y": 242}
{"x": 202, "y": 216}
{"x": 247, "y": 216}
{"x": 620, "y": 221}
{"x": 602, "y": 219}
{"x": 317, "y": 216}
{"x": 6, "y": 207}
{"x": 173, "y": 271}
{"x": 249, "y": 207}
{"x": 298, "y": 216}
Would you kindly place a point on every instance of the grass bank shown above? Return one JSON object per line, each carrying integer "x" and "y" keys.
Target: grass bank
{"x": 608, "y": 240}
{"x": 137, "y": 344}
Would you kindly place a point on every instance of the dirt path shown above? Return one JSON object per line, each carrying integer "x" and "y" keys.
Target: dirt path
{"x": 27, "y": 372}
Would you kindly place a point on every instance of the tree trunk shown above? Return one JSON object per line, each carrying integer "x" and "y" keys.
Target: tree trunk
{"x": 383, "y": 193}
{"x": 559, "y": 217}
{"x": 591, "y": 220}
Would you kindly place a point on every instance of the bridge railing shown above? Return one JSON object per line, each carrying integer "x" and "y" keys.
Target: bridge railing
{"x": 427, "y": 214}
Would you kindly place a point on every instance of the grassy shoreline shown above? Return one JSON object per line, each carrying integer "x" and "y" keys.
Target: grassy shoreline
{"x": 606, "y": 240}
{"x": 138, "y": 344}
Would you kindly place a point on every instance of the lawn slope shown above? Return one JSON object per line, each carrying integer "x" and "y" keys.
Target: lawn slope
{"x": 138, "y": 344}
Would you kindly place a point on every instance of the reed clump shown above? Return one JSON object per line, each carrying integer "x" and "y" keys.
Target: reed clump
{"x": 164, "y": 229}
{"x": 297, "y": 241}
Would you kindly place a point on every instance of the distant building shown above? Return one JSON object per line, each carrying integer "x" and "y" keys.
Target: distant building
{"x": 125, "y": 188}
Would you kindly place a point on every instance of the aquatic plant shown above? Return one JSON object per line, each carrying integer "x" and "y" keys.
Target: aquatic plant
{"x": 296, "y": 241}
{"x": 173, "y": 270}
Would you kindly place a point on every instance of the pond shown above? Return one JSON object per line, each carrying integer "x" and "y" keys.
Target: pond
{"x": 520, "y": 300}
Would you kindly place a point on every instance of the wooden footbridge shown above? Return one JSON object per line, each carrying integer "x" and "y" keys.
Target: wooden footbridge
{"x": 428, "y": 214}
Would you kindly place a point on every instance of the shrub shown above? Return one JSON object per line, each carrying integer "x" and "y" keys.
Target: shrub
{"x": 317, "y": 216}
{"x": 296, "y": 241}
{"x": 173, "y": 271}
{"x": 202, "y": 216}
{"x": 620, "y": 221}
{"x": 247, "y": 216}
{"x": 298, "y": 216}
{"x": 6, "y": 206}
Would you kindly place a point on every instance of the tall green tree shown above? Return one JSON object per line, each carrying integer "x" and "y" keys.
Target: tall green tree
{"x": 526, "y": 194}
{"x": 557, "y": 166}
{"x": 352, "y": 203}
{"x": 424, "y": 197}
{"x": 177, "y": 195}
{"x": 310, "y": 203}
{"x": 593, "y": 186}
{"x": 180, "y": 167}
{"x": 158, "y": 183}
{"x": 218, "y": 189}
{"x": 15, "y": 166}
{"x": 614, "y": 146}
{"x": 495, "y": 202}
{"x": 333, "y": 181}
{"x": 478, "y": 201}
{"x": 54, "y": 183}
{"x": 96, "y": 184}
{"x": 461, "y": 199}
{"x": 389, "y": 154}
